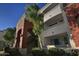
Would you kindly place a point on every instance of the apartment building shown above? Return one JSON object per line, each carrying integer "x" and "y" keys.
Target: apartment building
{"x": 56, "y": 28}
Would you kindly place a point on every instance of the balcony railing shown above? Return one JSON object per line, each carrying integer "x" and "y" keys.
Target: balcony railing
{"x": 53, "y": 30}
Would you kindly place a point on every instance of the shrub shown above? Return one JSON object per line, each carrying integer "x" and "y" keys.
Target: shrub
{"x": 56, "y": 52}
{"x": 74, "y": 52}
{"x": 62, "y": 52}
{"x": 12, "y": 51}
{"x": 38, "y": 52}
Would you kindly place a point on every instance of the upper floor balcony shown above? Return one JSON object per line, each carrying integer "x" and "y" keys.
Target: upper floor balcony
{"x": 52, "y": 12}
{"x": 60, "y": 28}
{"x": 54, "y": 26}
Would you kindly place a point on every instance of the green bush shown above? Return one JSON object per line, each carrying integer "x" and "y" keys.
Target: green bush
{"x": 74, "y": 52}
{"x": 62, "y": 52}
{"x": 12, "y": 51}
{"x": 56, "y": 52}
{"x": 38, "y": 52}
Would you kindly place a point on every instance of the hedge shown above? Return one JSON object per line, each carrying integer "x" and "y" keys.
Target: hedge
{"x": 55, "y": 52}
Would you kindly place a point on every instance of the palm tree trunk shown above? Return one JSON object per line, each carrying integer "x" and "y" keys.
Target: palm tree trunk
{"x": 40, "y": 43}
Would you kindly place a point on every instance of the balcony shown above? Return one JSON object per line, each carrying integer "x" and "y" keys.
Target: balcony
{"x": 59, "y": 28}
{"x": 53, "y": 12}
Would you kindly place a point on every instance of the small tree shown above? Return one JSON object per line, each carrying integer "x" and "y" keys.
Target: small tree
{"x": 9, "y": 35}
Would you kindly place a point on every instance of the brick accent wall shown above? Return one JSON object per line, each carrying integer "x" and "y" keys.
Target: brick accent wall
{"x": 72, "y": 12}
{"x": 22, "y": 28}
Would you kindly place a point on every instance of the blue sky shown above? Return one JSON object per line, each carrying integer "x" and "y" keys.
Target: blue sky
{"x": 11, "y": 13}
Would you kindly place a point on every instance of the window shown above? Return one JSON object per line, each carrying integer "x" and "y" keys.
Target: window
{"x": 61, "y": 21}
{"x": 57, "y": 22}
{"x": 56, "y": 42}
{"x": 53, "y": 24}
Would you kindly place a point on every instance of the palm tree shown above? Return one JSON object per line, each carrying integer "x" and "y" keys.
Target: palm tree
{"x": 36, "y": 19}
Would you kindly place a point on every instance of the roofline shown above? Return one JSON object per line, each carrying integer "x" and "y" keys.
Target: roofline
{"x": 43, "y": 9}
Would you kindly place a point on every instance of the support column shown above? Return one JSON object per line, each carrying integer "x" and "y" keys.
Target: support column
{"x": 21, "y": 42}
{"x": 14, "y": 44}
